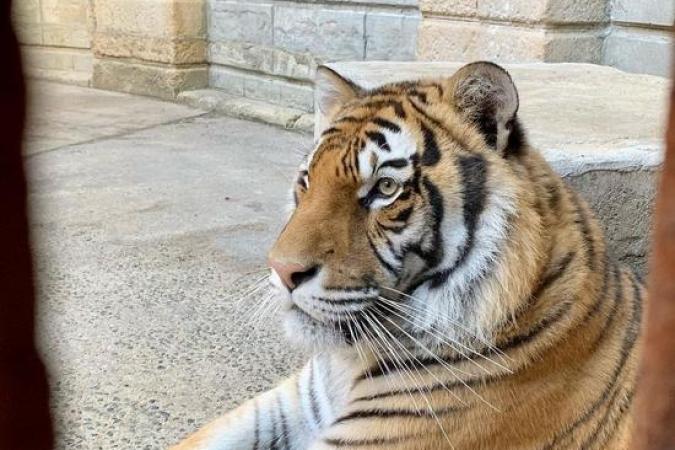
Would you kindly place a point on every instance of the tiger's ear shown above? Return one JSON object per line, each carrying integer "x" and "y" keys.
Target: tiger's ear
{"x": 485, "y": 95}
{"x": 333, "y": 91}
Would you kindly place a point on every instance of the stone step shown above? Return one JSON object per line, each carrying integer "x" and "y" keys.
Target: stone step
{"x": 214, "y": 100}
{"x": 600, "y": 128}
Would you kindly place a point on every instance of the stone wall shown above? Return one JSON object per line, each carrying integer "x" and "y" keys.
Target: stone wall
{"x": 633, "y": 35}
{"x": 640, "y": 36}
{"x": 150, "y": 47}
{"x": 269, "y": 50}
{"x": 56, "y": 38}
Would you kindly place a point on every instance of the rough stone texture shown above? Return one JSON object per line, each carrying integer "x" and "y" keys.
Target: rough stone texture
{"x": 448, "y": 40}
{"x": 272, "y": 90}
{"x": 151, "y": 17}
{"x": 648, "y": 12}
{"x": 170, "y": 32}
{"x": 56, "y": 34}
{"x": 624, "y": 201}
{"x": 268, "y": 60}
{"x": 579, "y": 46}
{"x": 233, "y": 21}
{"x": 530, "y": 11}
{"x": 139, "y": 238}
{"x": 628, "y": 34}
{"x": 334, "y": 34}
{"x": 444, "y": 40}
{"x": 65, "y": 23}
{"x": 66, "y": 36}
{"x": 597, "y": 126}
{"x": 276, "y": 43}
{"x": 161, "y": 81}
{"x": 636, "y": 50}
{"x": 391, "y": 37}
{"x": 58, "y": 23}
{"x": 176, "y": 50}
{"x": 150, "y": 47}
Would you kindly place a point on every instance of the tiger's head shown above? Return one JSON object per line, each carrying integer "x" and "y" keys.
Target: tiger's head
{"x": 408, "y": 211}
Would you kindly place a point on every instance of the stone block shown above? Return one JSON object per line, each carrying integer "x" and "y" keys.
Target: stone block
{"x": 464, "y": 8}
{"x": 259, "y": 87}
{"x": 157, "y": 18}
{"x": 326, "y": 33}
{"x": 634, "y": 50}
{"x": 241, "y": 22}
{"x": 514, "y": 11}
{"x": 295, "y": 95}
{"x": 189, "y": 18}
{"x": 530, "y": 11}
{"x": 63, "y": 35}
{"x": 226, "y": 80}
{"x": 147, "y": 79}
{"x": 60, "y": 76}
{"x": 372, "y": 3}
{"x": 445, "y": 40}
{"x": 577, "y": 11}
{"x": 72, "y": 66}
{"x": 168, "y": 50}
{"x": 28, "y": 33}
{"x": 269, "y": 60}
{"x": 391, "y": 36}
{"x": 26, "y": 11}
{"x": 654, "y": 12}
{"x": 574, "y": 46}
{"x": 65, "y": 12}
{"x": 48, "y": 58}
{"x": 171, "y": 32}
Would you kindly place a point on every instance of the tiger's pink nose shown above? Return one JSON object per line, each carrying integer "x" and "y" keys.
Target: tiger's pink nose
{"x": 293, "y": 274}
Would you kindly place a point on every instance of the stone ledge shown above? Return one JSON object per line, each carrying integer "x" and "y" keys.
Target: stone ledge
{"x": 600, "y": 128}
{"x": 244, "y": 108}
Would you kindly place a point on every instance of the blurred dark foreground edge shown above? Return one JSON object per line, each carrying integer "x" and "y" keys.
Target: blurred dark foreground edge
{"x": 655, "y": 401}
{"x": 24, "y": 397}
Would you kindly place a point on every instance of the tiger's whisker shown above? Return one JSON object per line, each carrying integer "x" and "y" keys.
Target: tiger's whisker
{"x": 435, "y": 332}
{"x": 455, "y": 323}
{"x": 415, "y": 359}
{"x": 420, "y": 389}
{"x": 442, "y": 363}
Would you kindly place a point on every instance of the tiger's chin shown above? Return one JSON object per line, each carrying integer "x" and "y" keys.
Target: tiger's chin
{"x": 304, "y": 331}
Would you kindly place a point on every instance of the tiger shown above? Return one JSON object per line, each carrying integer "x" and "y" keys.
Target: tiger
{"x": 454, "y": 291}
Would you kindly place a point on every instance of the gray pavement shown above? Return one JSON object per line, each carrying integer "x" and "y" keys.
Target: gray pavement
{"x": 144, "y": 215}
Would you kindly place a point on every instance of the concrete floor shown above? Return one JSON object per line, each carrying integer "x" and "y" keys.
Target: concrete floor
{"x": 144, "y": 214}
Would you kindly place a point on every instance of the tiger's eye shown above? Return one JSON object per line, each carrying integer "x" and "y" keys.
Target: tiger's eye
{"x": 387, "y": 186}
